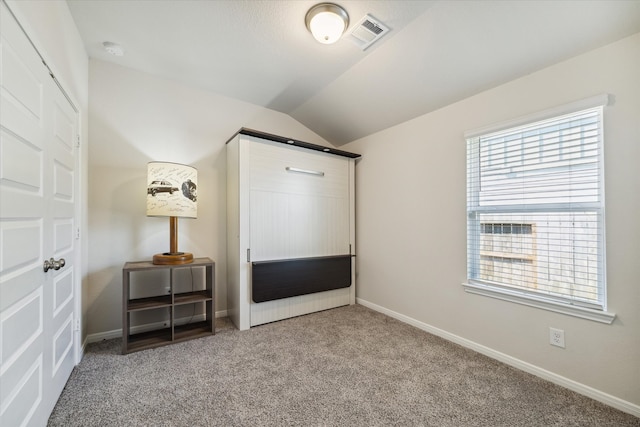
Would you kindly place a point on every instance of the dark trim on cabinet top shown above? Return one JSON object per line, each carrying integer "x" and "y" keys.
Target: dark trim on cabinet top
{"x": 294, "y": 142}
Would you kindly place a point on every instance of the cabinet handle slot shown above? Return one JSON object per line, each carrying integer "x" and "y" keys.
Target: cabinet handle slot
{"x": 310, "y": 172}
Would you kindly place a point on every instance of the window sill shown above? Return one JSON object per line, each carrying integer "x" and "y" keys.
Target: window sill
{"x": 506, "y": 295}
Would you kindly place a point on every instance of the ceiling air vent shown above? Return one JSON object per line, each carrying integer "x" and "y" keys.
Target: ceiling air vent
{"x": 367, "y": 31}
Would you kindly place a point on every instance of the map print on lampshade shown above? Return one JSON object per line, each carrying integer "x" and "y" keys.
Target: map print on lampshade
{"x": 172, "y": 190}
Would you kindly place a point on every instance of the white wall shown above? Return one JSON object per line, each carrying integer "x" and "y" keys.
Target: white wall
{"x": 136, "y": 118}
{"x": 51, "y": 27}
{"x": 411, "y": 226}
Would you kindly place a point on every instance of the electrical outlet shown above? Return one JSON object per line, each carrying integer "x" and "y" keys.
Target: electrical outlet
{"x": 556, "y": 337}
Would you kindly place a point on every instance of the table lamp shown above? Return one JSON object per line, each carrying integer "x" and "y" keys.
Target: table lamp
{"x": 171, "y": 191}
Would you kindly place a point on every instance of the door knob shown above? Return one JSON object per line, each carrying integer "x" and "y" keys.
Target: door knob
{"x": 53, "y": 264}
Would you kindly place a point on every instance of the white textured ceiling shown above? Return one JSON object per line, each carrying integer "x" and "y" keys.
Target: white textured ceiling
{"x": 436, "y": 53}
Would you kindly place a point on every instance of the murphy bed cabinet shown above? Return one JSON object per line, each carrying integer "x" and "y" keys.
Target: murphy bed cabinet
{"x": 179, "y": 294}
{"x": 290, "y": 228}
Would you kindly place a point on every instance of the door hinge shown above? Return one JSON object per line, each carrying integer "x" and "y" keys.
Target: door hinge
{"x": 78, "y": 141}
{"x": 77, "y": 233}
{"x": 77, "y": 325}
{"x": 248, "y": 255}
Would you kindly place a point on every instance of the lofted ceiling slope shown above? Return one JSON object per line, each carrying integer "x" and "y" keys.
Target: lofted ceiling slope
{"x": 437, "y": 52}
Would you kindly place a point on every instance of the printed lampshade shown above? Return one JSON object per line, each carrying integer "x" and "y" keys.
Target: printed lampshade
{"x": 171, "y": 190}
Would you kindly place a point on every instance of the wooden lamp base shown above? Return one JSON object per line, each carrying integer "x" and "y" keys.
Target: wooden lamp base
{"x": 173, "y": 257}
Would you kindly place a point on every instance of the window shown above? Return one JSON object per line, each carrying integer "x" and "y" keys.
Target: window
{"x": 535, "y": 213}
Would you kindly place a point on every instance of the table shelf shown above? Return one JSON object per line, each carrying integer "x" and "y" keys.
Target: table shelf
{"x": 149, "y": 303}
{"x": 192, "y": 297}
{"x": 192, "y": 330}
{"x": 149, "y": 339}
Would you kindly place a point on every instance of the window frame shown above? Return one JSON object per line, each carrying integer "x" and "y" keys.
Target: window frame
{"x": 595, "y": 312}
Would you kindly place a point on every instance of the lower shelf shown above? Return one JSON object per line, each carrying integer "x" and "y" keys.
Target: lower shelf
{"x": 191, "y": 330}
{"x": 160, "y": 337}
{"x": 149, "y": 339}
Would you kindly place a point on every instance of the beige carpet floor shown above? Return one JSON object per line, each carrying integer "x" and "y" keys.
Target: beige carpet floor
{"x": 349, "y": 366}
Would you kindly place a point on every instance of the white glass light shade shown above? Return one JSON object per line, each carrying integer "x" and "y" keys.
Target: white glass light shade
{"x": 327, "y": 22}
{"x": 172, "y": 190}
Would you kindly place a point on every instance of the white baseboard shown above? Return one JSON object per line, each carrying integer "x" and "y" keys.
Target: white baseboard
{"x": 117, "y": 333}
{"x": 585, "y": 390}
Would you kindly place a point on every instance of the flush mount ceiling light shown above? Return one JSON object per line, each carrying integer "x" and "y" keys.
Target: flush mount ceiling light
{"x": 327, "y": 22}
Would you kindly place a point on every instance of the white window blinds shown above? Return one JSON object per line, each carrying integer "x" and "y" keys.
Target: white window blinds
{"x": 535, "y": 209}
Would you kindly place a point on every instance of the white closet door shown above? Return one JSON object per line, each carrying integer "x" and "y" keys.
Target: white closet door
{"x": 299, "y": 208}
{"x": 60, "y": 316}
{"x": 38, "y": 128}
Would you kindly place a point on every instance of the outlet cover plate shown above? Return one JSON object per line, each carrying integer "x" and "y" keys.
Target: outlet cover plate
{"x": 556, "y": 337}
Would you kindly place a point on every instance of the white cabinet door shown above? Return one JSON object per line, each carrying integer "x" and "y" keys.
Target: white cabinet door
{"x": 299, "y": 208}
{"x": 38, "y": 128}
{"x": 299, "y": 203}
